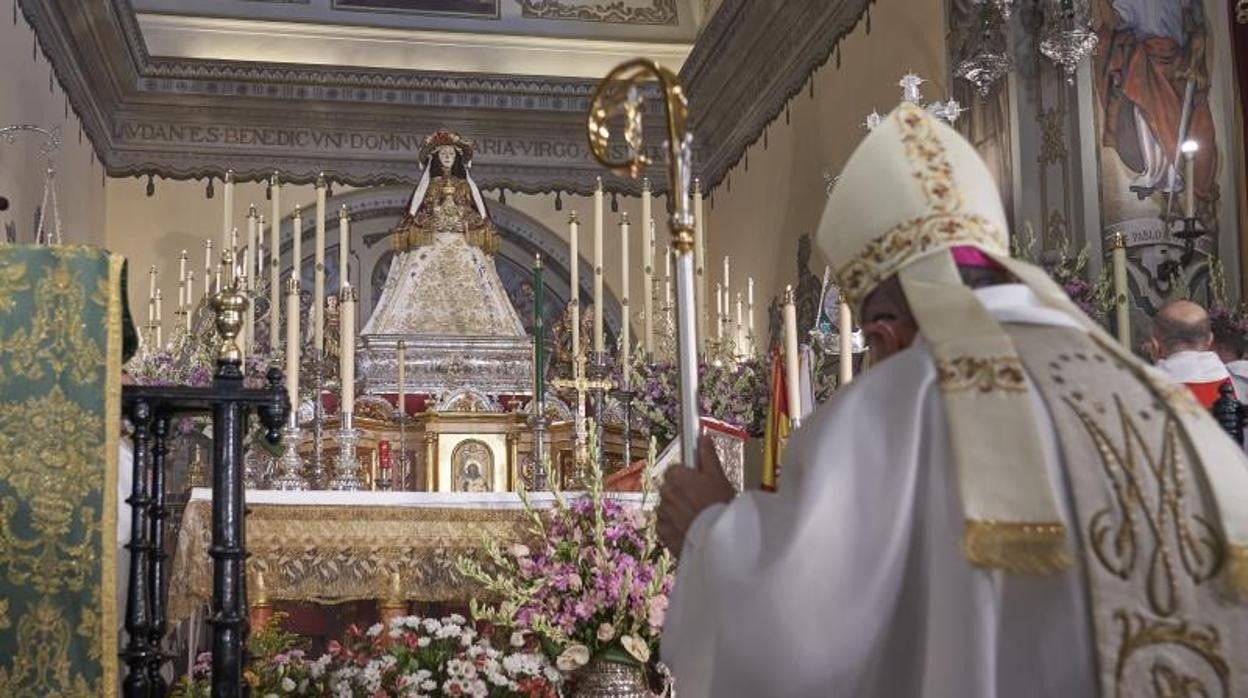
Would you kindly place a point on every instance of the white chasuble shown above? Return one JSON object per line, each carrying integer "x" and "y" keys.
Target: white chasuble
{"x": 850, "y": 580}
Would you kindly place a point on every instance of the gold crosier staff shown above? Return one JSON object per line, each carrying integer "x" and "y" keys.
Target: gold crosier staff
{"x": 621, "y": 92}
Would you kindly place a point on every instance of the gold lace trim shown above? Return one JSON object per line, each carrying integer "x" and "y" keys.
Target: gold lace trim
{"x": 910, "y": 240}
{"x": 1237, "y": 569}
{"x": 1024, "y": 548}
{"x": 984, "y": 374}
{"x": 112, "y": 434}
{"x": 410, "y": 235}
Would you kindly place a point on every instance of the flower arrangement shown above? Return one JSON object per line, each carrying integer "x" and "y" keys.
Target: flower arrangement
{"x": 279, "y": 667}
{"x": 1069, "y": 270}
{"x": 733, "y": 393}
{"x": 593, "y": 585}
{"x": 411, "y": 657}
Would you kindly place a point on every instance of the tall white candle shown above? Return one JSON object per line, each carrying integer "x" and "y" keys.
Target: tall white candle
{"x": 346, "y": 353}
{"x": 625, "y": 330}
{"x": 182, "y": 269}
{"x": 249, "y": 263}
{"x": 296, "y": 245}
{"x": 151, "y": 282}
{"x": 845, "y": 326}
{"x": 207, "y": 268}
{"x": 227, "y": 223}
{"x": 318, "y": 270}
{"x": 647, "y": 268}
{"x": 599, "y": 305}
{"x": 749, "y": 312}
{"x": 401, "y": 360}
{"x": 574, "y": 262}
{"x": 727, "y": 283}
{"x": 249, "y": 259}
{"x": 1122, "y": 302}
{"x": 258, "y": 272}
{"x": 159, "y": 324}
{"x": 344, "y": 247}
{"x": 719, "y": 311}
{"x": 292, "y": 344}
{"x": 791, "y": 373}
{"x": 275, "y": 264}
{"x": 738, "y": 330}
{"x": 190, "y": 306}
{"x": 1189, "y": 175}
{"x": 699, "y": 258}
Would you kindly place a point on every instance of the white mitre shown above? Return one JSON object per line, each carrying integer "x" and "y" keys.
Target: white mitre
{"x": 912, "y": 191}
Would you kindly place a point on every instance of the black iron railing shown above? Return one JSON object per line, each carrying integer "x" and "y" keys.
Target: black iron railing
{"x": 1230, "y": 413}
{"x": 151, "y": 411}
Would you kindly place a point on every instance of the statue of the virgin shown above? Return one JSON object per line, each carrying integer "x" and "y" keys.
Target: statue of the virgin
{"x": 443, "y": 280}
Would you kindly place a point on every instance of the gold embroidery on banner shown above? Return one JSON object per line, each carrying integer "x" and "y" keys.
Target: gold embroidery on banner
{"x": 909, "y": 240}
{"x": 55, "y": 339}
{"x": 42, "y": 666}
{"x": 928, "y": 158}
{"x": 112, "y": 434}
{"x": 1140, "y": 634}
{"x": 982, "y": 374}
{"x": 1148, "y": 524}
{"x": 12, "y": 280}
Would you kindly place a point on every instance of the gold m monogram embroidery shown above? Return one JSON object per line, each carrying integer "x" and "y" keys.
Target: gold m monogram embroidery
{"x": 1148, "y": 521}
{"x": 985, "y": 374}
{"x": 1141, "y": 634}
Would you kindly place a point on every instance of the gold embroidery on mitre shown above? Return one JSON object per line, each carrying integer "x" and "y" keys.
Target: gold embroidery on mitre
{"x": 983, "y": 374}
{"x": 1022, "y": 548}
{"x": 928, "y": 158}
{"x": 1142, "y": 634}
{"x": 908, "y": 241}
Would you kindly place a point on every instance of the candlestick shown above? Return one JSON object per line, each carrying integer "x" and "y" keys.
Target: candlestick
{"x": 344, "y": 247}
{"x": 1121, "y": 299}
{"x": 1189, "y": 149}
{"x": 234, "y": 243}
{"x": 249, "y": 263}
{"x": 574, "y": 234}
{"x": 845, "y": 326}
{"x": 292, "y": 345}
{"x": 625, "y": 329}
{"x": 258, "y": 272}
{"x": 158, "y": 324}
{"x": 401, "y": 360}
{"x": 347, "y": 299}
{"x": 792, "y": 375}
{"x": 207, "y": 267}
{"x": 182, "y": 270}
{"x": 699, "y": 258}
{"x": 749, "y": 311}
{"x": 599, "y": 306}
{"x": 151, "y": 282}
{"x": 318, "y": 278}
{"x": 249, "y": 260}
{"x": 296, "y": 245}
{"x": 727, "y": 283}
{"x": 738, "y": 334}
{"x": 275, "y": 264}
{"x": 227, "y": 223}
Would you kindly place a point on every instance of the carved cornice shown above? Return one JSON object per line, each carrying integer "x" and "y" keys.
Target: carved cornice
{"x": 187, "y": 118}
{"x": 760, "y": 56}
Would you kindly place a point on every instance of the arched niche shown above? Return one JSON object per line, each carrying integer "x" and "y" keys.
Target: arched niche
{"x": 375, "y": 211}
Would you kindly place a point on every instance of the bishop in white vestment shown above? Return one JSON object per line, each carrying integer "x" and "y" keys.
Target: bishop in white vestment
{"x": 1010, "y": 504}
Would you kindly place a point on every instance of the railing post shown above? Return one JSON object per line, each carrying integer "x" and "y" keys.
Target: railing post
{"x": 138, "y": 650}
{"x": 1227, "y": 411}
{"x": 156, "y": 579}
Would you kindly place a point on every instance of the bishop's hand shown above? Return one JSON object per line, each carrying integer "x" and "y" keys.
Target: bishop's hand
{"x": 687, "y": 491}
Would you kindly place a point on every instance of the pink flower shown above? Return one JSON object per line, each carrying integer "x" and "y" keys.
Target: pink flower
{"x": 656, "y": 611}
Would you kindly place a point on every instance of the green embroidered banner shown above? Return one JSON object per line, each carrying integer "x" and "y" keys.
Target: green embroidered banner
{"x": 61, "y": 318}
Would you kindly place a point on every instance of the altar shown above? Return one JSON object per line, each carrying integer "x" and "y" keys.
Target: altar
{"x": 332, "y": 547}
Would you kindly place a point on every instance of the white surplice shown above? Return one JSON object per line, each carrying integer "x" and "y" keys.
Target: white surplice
{"x": 850, "y": 581}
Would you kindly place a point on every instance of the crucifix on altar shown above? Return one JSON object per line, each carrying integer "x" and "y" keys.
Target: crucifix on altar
{"x": 583, "y": 384}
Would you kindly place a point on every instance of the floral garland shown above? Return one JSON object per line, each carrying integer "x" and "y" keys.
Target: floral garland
{"x": 733, "y": 393}
{"x": 411, "y": 657}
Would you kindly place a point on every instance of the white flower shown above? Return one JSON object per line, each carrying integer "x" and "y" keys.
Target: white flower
{"x": 374, "y": 630}
{"x": 457, "y": 619}
{"x": 422, "y": 642}
{"x": 606, "y": 631}
{"x": 517, "y": 638}
{"x": 288, "y": 684}
{"x": 519, "y": 550}
{"x": 573, "y": 658}
{"x": 428, "y": 685}
{"x": 636, "y": 647}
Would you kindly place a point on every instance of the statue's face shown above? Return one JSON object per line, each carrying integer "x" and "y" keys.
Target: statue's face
{"x": 446, "y": 155}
